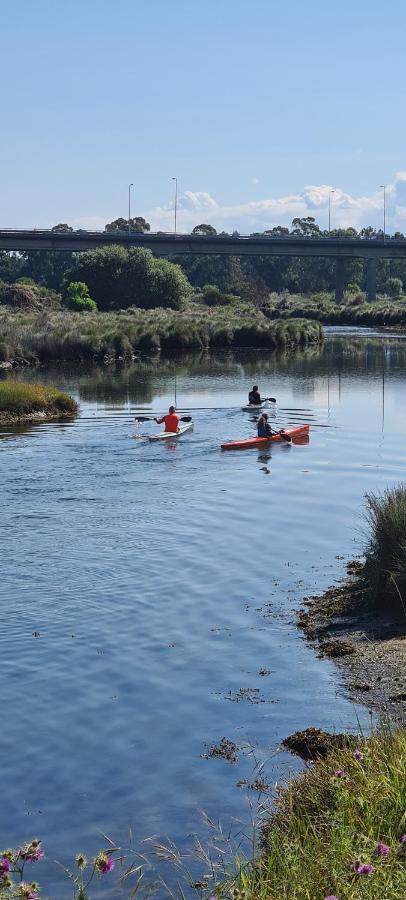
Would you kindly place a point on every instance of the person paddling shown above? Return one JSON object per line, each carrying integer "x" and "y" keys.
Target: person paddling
{"x": 254, "y": 397}
{"x": 171, "y": 420}
{"x": 264, "y": 429}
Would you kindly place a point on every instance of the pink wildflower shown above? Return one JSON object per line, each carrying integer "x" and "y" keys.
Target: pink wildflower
{"x": 108, "y": 866}
{"x": 339, "y": 773}
{"x": 31, "y": 852}
{"x": 403, "y": 839}
{"x": 362, "y": 868}
{"x": 381, "y": 849}
{"x": 358, "y": 754}
{"x": 4, "y": 866}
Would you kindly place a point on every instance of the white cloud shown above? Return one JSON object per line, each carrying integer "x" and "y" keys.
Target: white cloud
{"x": 347, "y": 210}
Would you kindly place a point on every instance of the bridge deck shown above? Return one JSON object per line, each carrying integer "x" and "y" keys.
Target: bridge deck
{"x": 171, "y": 244}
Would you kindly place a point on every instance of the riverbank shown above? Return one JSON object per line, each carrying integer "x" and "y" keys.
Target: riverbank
{"x": 45, "y": 337}
{"x": 368, "y": 647}
{"x": 362, "y": 623}
{"x": 337, "y": 832}
{"x": 355, "y": 310}
{"x": 24, "y": 403}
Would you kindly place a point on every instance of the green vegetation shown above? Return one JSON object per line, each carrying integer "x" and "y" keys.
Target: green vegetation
{"x": 77, "y": 297}
{"x": 118, "y": 278}
{"x": 383, "y": 575}
{"x": 65, "y": 335}
{"x": 338, "y": 832}
{"x": 25, "y": 402}
{"x": 321, "y": 306}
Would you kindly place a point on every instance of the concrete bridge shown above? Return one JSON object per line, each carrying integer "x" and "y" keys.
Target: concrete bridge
{"x": 339, "y": 248}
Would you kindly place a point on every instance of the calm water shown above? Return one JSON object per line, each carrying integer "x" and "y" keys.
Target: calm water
{"x": 161, "y": 579}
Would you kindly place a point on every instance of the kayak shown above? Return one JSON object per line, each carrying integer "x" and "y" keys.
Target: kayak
{"x": 253, "y": 407}
{"x": 170, "y": 435}
{"x": 292, "y": 431}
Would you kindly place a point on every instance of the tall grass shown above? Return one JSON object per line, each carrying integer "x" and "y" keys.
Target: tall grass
{"x": 21, "y": 400}
{"x": 65, "y": 335}
{"x": 321, "y": 307}
{"x": 346, "y": 811}
{"x": 384, "y": 572}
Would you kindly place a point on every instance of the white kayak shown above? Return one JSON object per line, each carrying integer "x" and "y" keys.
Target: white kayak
{"x": 254, "y": 407}
{"x": 170, "y": 435}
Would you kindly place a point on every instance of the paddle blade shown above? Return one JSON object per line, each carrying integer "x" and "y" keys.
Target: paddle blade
{"x": 143, "y": 419}
{"x": 186, "y": 418}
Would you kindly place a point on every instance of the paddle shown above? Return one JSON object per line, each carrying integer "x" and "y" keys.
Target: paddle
{"x": 153, "y": 418}
{"x": 285, "y": 437}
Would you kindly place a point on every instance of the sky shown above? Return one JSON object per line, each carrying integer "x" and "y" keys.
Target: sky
{"x": 260, "y": 108}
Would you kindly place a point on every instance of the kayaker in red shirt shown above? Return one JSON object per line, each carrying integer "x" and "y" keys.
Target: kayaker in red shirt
{"x": 171, "y": 420}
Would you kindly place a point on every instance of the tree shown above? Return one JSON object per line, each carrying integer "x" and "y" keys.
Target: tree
{"x": 306, "y": 226}
{"x": 62, "y": 228}
{"x": 138, "y": 224}
{"x": 11, "y": 266}
{"x": 118, "y": 278}
{"x": 278, "y": 231}
{"x": 208, "y": 230}
{"x": 394, "y": 287}
{"x": 77, "y": 297}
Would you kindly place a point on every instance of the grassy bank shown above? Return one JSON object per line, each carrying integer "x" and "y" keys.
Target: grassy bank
{"x": 321, "y": 307}
{"x": 50, "y": 336}
{"x": 337, "y": 831}
{"x": 29, "y": 402}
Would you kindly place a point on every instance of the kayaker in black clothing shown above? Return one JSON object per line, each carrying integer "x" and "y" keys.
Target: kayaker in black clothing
{"x": 264, "y": 430}
{"x": 254, "y": 397}
{"x": 263, "y": 427}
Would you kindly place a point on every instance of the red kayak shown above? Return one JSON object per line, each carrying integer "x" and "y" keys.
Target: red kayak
{"x": 293, "y": 432}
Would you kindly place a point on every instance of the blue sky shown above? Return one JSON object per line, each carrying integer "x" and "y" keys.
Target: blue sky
{"x": 259, "y": 108}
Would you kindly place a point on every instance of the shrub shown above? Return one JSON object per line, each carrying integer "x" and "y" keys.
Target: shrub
{"x": 394, "y": 287}
{"x": 212, "y": 296}
{"x": 77, "y": 297}
{"x": 118, "y": 278}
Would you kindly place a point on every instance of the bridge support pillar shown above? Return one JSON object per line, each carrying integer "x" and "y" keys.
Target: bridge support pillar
{"x": 371, "y": 279}
{"x": 339, "y": 279}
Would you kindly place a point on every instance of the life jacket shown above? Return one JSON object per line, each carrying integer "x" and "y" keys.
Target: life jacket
{"x": 171, "y": 422}
{"x": 254, "y": 397}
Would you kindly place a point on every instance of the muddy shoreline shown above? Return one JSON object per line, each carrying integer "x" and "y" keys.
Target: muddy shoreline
{"x": 33, "y": 418}
{"x": 368, "y": 647}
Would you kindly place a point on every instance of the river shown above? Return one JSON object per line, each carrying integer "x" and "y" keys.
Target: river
{"x": 144, "y": 586}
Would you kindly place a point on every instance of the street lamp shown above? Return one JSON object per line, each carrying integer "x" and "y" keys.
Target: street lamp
{"x": 384, "y": 209}
{"x": 329, "y": 209}
{"x": 176, "y": 198}
{"x": 129, "y": 206}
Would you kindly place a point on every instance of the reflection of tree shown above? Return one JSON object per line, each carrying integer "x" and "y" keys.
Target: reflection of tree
{"x": 143, "y": 380}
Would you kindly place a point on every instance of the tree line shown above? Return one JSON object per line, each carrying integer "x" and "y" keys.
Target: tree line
{"x": 115, "y": 275}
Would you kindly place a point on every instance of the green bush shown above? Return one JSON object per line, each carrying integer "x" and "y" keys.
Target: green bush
{"x": 394, "y": 287}
{"x": 212, "y": 296}
{"x": 77, "y": 297}
{"x": 118, "y": 278}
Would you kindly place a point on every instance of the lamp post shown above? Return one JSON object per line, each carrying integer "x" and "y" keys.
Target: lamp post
{"x": 329, "y": 209}
{"x": 176, "y": 198}
{"x": 129, "y": 206}
{"x": 384, "y": 209}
